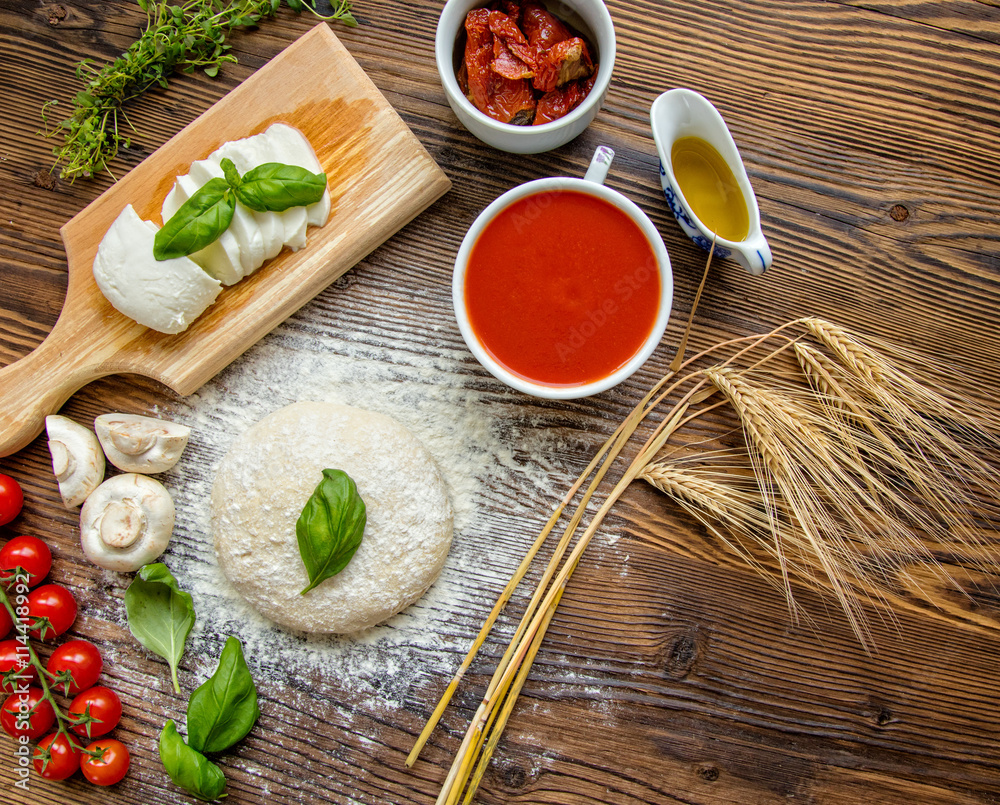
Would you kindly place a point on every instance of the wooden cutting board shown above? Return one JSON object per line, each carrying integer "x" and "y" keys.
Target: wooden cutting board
{"x": 380, "y": 177}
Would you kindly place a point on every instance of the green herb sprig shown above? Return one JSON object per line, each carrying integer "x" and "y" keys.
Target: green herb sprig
{"x": 330, "y": 528}
{"x": 201, "y": 220}
{"x": 224, "y": 708}
{"x": 220, "y": 712}
{"x": 160, "y": 614}
{"x": 188, "y": 768}
{"x": 181, "y": 37}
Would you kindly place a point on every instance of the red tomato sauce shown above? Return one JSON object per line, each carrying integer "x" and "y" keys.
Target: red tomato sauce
{"x": 562, "y": 288}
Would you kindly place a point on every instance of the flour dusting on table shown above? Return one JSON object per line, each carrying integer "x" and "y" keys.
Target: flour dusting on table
{"x": 483, "y": 451}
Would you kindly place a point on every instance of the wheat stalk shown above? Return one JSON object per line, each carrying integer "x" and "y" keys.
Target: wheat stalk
{"x": 935, "y": 443}
{"x": 846, "y": 513}
{"x": 837, "y": 480}
{"x": 776, "y": 435}
{"x": 899, "y": 390}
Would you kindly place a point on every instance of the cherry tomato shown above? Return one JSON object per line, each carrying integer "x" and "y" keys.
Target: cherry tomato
{"x": 6, "y": 624}
{"x": 11, "y": 499}
{"x": 27, "y": 714}
{"x": 95, "y": 712}
{"x": 105, "y": 762}
{"x": 15, "y": 666}
{"x": 51, "y": 611}
{"x": 29, "y": 554}
{"x": 75, "y": 666}
{"x": 56, "y": 758}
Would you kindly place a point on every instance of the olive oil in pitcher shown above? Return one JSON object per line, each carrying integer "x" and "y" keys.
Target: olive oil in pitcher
{"x": 710, "y": 188}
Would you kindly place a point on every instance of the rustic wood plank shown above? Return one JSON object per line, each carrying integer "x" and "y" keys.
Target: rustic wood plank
{"x": 668, "y": 675}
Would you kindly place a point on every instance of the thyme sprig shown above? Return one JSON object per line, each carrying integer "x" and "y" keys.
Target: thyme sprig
{"x": 178, "y": 37}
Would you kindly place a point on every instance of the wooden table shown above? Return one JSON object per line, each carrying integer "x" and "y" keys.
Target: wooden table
{"x": 870, "y": 132}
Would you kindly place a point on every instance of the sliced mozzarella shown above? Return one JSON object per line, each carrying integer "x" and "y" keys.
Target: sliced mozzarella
{"x": 243, "y": 226}
{"x": 295, "y": 222}
{"x": 164, "y": 295}
{"x": 293, "y": 145}
{"x": 247, "y": 154}
{"x": 221, "y": 258}
{"x": 272, "y": 232}
{"x": 289, "y": 146}
{"x": 292, "y": 148}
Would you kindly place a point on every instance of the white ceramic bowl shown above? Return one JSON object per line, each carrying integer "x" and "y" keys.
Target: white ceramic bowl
{"x": 591, "y": 184}
{"x": 591, "y": 17}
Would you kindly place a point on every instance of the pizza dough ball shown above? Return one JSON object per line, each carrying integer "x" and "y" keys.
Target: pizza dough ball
{"x": 267, "y": 477}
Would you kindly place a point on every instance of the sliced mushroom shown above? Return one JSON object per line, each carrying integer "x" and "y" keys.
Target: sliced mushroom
{"x": 77, "y": 459}
{"x": 143, "y": 444}
{"x": 126, "y": 522}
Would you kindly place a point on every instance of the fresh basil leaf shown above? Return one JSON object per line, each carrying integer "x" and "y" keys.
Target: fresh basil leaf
{"x": 330, "y": 528}
{"x": 199, "y": 221}
{"x": 232, "y": 175}
{"x": 188, "y": 768}
{"x": 224, "y": 709}
{"x": 276, "y": 187}
{"x": 160, "y": 614}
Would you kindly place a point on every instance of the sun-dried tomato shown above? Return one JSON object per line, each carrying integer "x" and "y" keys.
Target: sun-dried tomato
{"x": 508, "y": 70}
{"x": 563, "y": 100}
{"x": 541, "y": 27}
{"x": 564, "y": 61}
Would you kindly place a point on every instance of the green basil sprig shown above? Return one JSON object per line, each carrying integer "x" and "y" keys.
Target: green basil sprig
{"x": 274, "y": 187}
{"x": 160, "y": 614}
{"x": 220, "y": 713}
{"x": 224, "y": 709}
{"x": 188, "y": 768}
{"x": 201, "y": 220}
{"x": 330, "y": 528}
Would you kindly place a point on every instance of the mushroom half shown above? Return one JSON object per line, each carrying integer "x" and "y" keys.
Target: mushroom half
{"x": 143, "y": 444}
{"x": 126, "y": 522}
{"x": 77, "y": 459}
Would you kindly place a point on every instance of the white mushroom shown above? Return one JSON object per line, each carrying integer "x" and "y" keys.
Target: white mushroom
{"x": 127, "y": 522}
{"x": 77, "y": 459}
{"x": 143, "y": 444}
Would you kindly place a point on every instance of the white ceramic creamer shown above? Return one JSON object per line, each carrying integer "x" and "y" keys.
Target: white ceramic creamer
{"x": 683, "y": 113}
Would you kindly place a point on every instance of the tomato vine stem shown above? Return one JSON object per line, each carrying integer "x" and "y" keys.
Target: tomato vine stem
{"x": 63, "y": 721}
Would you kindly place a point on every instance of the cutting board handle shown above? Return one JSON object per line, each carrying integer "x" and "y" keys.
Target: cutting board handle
{"x": 37, "y": 385}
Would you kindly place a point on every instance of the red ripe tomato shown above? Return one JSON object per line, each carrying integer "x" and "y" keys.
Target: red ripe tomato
{"x": 75, "y": 666}
{"x": 11, "y": 499}
{"x": 51, "y": 611}
{"x": 15, "y": 666}
{"x": 56, "y": 758}
{"x": 28, "y": 553}
{"x": 95, "y": 712}
{"x": 105, "y": 762}
{"x": 27, "y": 714}
{"x": 6, "y": 624}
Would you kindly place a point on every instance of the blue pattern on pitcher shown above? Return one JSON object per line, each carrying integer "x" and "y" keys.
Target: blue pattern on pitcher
{"x": 684, "y": 219}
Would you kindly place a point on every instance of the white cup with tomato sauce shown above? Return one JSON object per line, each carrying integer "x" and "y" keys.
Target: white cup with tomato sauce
{"x": 562, "y": 286}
